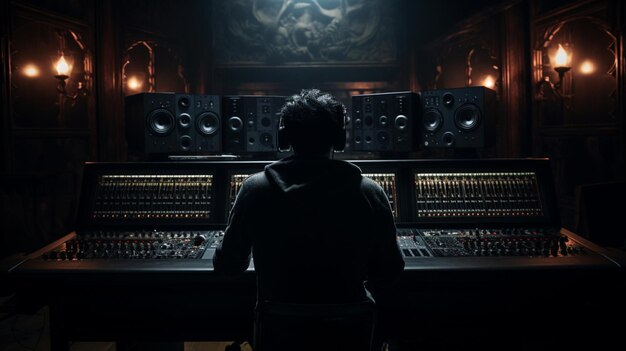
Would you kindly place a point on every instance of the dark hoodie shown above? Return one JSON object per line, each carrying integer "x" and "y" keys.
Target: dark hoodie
{"x": 317, "y": 230}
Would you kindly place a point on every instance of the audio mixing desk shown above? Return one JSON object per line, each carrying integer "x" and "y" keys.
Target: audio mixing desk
{"x": 481, "y": 239}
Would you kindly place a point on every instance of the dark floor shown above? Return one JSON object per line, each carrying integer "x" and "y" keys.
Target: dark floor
{"x": 20, "y": 332}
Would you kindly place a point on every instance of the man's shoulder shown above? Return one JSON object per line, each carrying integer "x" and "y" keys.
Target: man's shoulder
{"x": 256, "y": 179}
{"x": 369, "y": 184}
{"x": 372, "y": 189}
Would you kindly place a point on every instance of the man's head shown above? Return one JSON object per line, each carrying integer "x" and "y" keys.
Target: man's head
{"x": 313, "y": 122}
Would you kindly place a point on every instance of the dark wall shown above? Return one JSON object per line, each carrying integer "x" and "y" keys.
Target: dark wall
{"x": 232, "y": 47}
{"x": 578, "y": 122}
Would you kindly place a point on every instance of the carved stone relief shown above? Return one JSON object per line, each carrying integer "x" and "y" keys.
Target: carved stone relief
{"x": 305, "y": 31}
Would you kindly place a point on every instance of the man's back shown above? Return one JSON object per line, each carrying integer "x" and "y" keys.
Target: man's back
{"x": 318, "y": 230}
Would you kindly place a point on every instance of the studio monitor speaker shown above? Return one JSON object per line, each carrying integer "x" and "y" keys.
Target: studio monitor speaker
{"x": 385, "y": 121}
{"x": 250, "y": 123}
{"x": 208, "y": 124}
{"x": 173, "y": 124}
{"x": 458, "y": 118}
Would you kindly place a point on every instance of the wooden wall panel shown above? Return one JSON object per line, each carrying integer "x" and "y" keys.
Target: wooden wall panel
{"x": 579, "y": 124}
{"x": 514, "y": 131}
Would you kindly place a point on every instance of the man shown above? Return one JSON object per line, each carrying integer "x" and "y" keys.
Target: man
{"x": 317, "y": 229}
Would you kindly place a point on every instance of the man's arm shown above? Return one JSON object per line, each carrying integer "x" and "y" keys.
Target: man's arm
{"x": 233, "y": 255}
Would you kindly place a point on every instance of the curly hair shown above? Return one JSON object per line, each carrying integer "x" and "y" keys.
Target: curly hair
{"x": 312, "y": 119}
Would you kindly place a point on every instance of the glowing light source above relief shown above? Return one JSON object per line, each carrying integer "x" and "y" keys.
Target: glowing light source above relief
{"x": 587, "y": 67}
{"x": 489, "y": 82}
{"x": 31, "y": 71}
{"x": 134, "y": 83}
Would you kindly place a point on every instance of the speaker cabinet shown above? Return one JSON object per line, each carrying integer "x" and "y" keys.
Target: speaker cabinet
{"x": 152, "y": 125}
{"x": 250, "y": 123}
{"x": 173, "y": 124}
{"x": 458, "y": 118}
{"x": 207, "y": 124}
{"x": 384, "y": 122}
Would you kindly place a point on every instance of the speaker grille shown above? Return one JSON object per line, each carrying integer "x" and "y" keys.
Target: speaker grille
{"x": 161, "y": 121}
{"x": 208, "y": 123}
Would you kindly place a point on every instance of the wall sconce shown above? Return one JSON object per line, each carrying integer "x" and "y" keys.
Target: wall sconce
{"x": 562, "y": 65}
{"x": 64, "y": 69}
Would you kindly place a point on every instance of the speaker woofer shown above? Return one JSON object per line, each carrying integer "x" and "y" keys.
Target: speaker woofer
{"x": 208, "y": 123}
{"x": 433, "y": 120}
{"x": 161, "y": 122}
{"x": 467, "y": 117}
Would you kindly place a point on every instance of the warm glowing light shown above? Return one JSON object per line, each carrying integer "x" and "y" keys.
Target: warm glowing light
{"x": 562, "y": 58}
{"x": 62, "y": 67}
{"x": 587, "y": 67}
{"x": 489, "y": 82}
{"x": 134, "y": 83}
{"x": 31, "y": 71}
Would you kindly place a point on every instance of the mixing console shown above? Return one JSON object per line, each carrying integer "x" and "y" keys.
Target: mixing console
{"x": 497, "y": 194}
{"x": 487, "y": 242}
{"x": 386, "y": 180}
{"x": 481, "y": 240}
{"x": 236, "y": 180}
{"x": 137, "y": 245}
{"x": 480, "y": 210}
{"x": 412, "y": 243}
{"x": 137, "y": 196}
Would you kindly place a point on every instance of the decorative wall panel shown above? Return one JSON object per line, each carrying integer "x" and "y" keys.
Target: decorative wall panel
{"x": 588, "y": 91}
{"x": 35, "y": 47}
{"x": 468, "y": 57}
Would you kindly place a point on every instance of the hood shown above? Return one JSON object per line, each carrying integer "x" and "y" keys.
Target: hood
{"x": 294, "y": 174}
